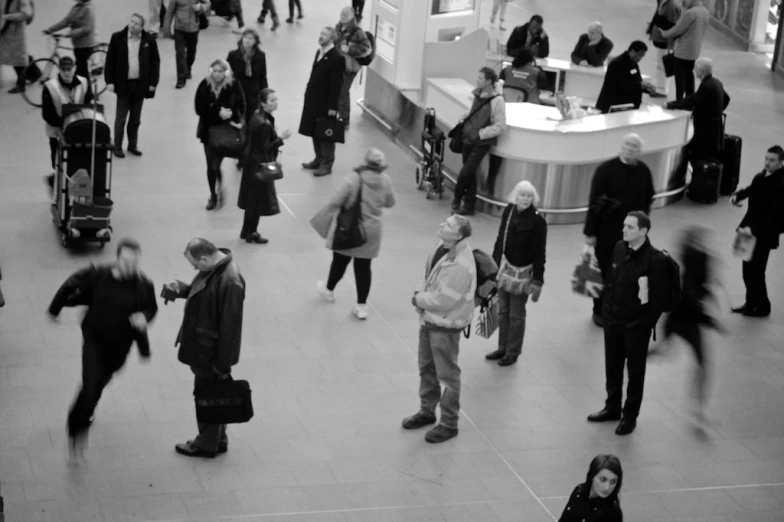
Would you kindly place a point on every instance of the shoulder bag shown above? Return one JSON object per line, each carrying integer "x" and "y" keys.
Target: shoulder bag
{"x": 456, "y": 134}
{"x": 332, "y": 130}
{"x": 349, "y": 232}
{"x": 227, "y": 140}
{"x": 268, "y": 171}
{"x": 512, "y": 279}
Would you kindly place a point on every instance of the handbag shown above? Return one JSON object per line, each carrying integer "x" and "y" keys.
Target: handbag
{"x": 743, "y": 245}
{"x": 204, "y": 22}
{"x": 668, "y": 62}
{"x": 512, "y": 279}
{"x": 223, "y": 402}
{"x": 331, "y": 130}
{"x": 268, "y": 171}
{"x": 587, "y": 279}
{"x": 349, "y": 232}
{"x": 456, "y": 134}
{"x": 487, "y": 322}
{"x": 227, "y": 140}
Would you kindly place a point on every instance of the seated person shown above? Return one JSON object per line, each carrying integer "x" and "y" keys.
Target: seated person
{"x": 623, "y": 82}
{"x": 529, "y": 36}
{"x": 593, "y": 47}
{"x": 523, "y": 79}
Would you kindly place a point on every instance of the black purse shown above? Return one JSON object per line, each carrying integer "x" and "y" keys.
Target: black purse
{"x": 331, "y": 130}
{"x": 204, "y": 22}
{"x": 349, "y": 232}
{"x": 223, "y": 402}
{"x": 227, "y": 140}
{"x": 268, "y": 171}
{"x": 668, "y": 62}
{"x": 456, "y": 134}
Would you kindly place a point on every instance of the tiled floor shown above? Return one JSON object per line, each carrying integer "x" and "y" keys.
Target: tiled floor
{"x": 329, "y": 391}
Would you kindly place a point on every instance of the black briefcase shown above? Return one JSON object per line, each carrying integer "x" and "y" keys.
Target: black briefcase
{"x": 330, "y": 129}
{"x": 223, "y": 402}
{"x": 730, "y": 159}
{"x": 668, "y": 62}
{"x": 705, "y": 182}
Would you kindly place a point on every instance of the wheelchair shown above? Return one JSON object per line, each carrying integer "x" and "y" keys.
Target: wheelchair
{"x": 429, "y": 176}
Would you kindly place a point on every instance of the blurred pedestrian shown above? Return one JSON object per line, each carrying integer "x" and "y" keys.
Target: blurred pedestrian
{"x": 16, "y": 15}
{"x": 298, "y": 4}
{"x": 499, "y": 8}
{"x": 688, "y": 32}
{"x": 81, "y": 22}
{"x": 354, "y": 44}
{"x": 359, "y": 6}
{"x": 268, "y": 6}
{"x": 596, "y": 499}
{"x": 185, "y": 16}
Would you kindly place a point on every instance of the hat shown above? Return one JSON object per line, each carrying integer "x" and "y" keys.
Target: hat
{"x": 375, "y": 158}
{"x": 66, "y": 63}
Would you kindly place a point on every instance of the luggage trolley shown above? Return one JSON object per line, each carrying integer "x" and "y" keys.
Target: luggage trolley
{"x": 429, "y": 176}
{"x": 83, "y": 176}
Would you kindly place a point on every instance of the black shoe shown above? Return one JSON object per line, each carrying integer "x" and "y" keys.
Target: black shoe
{"x": 255, "y": 237}
{"x": 419, "y": 420}
{"x": 260, "y": 20}
{"x": 243, "y": 234}
{"x": 134, "y": 151}
{"x": 598, "y": 320}
{"x": 313, "y": 165}
{"x": 494, "y": 356}
{"x": 189, "y": 450}
{"x": 322, "y": 171}
{"x": 657, "y": 94}
{"x": 223, "y": 448}
{"x": 741, "y": 309}
{"x": 455, "y": 206}
{"x": 212, "y": 203}
{"x": 756, "y": 312}
{"x": 49, "y": 180}
{"x": 625, "y": 427}
{"x": 180, "y": 84}
{"x": 604, "y": 416}
{"x": 118, "y": 153}
{"x": 16, "y": 90}
{"x": 189, "y": 77}
{"x": 507, "y": 360}
{"x": 440, "y": 434}
{"x": 289, "y": 20}
{"x": 301, "y": 16}
{"x": 275, "y": 24}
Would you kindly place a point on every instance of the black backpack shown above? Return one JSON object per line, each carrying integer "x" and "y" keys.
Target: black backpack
{"x": 674, "y": 289}
{"x": 486, "y": 272}
{"x": 365, "y": 60}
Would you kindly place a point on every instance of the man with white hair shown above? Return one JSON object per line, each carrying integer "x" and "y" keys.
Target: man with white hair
{"x": 593, "y": 47}
{"x": 445, "y": 303}
{"x": 620, "y": 185}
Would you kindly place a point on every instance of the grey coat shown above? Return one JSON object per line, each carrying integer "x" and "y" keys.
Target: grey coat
{"x": 13, "y": 42}
{"x": 377, "y": 194}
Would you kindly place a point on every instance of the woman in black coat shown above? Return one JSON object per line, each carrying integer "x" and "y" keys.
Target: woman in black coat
{"x": 596, "y": 500}
{"x": 249, "y": 67}
{"x": 519, "y": 252}
{"x": 258, "y": 198}
{"x": 218, "y": 99}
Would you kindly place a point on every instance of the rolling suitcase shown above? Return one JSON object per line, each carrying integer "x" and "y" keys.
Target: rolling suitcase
{"x": 730, "y": 159}
{"x": 705, "y": 182}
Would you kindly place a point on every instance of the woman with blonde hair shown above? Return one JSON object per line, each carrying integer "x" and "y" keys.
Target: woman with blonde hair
{"x": 520, "y": 254}
{"x": 219, "y": 99}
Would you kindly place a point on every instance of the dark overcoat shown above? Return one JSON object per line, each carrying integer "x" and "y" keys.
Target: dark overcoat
{"x": 208, "y": 106}
{"x": 116, "y": 66}
{"x": 622, "y": 84}
{"x": 251, "y": 85}
{"x": 263, "y": 145}
{"x": 323, "y": 90}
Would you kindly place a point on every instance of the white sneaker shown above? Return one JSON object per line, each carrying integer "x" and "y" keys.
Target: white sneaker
{"x": 360, "y": 311}
{"x": 326, "y": 294}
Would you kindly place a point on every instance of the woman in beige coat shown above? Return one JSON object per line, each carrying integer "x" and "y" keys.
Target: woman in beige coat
{"x": 377, "y": 194}
{"x": 14, "y": 17}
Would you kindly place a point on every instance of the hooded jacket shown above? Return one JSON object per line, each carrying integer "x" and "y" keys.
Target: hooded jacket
{"x": 485, "y": 125}
{"x": 446, "y": 295}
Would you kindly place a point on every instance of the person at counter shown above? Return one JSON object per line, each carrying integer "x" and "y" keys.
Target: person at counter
{"x": 623, "y": 81}
{"x": 665, "y": 17}
{"x": 619, "y": 186}
{"x": 529, "y": 36}
{"x": 688, "y": 33}
{"x": 523, "y": 79}
{"x": 481, "y": 127}
{"x": 593, "y": 47}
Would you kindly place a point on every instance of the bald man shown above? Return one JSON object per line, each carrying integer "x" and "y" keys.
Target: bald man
{"x": 592, "y": 48}
{"x": 619, "y": 186}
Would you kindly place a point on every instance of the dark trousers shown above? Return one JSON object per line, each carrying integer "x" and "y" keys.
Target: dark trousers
{"x": 214, "y": 174}
{"x": 185, "y": 51}
{"x": 603, "y": 250}
{"x": 211, "y": 436}
{"x": 268, "y": 6}
{"x": 54, "y": 146}
{"x": 325, "y": 153}
{"x": 629, "y": 347}
{"x": 292, "y": 3}
{"x": 250, "y": 222}
{"x": 129, "y": 104}
{"x": 754, "y": 279}
{"x": 511, "y": 322}
{"x": 20, "y": 76}
{"x": 358, "y": 6}
{"x": 82, "y": 58}
{"x": 684, "y": 78}
{"x": 465, "y": 189}
{"x": 362, "y": 274}
{"x": 344, "y": 102}
{"x": 98, "y": 367}
{"x": 691, "y": 332}
{"x": 238, "y": 15}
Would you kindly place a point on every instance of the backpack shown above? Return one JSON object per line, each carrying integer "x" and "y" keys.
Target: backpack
{"x": 486, "y": 271}
{"x": 674, "y": 289}
{"x": 365, "y": 60}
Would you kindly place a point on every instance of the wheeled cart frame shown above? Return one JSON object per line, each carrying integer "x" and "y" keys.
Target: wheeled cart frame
{"x": 429, "y": 176}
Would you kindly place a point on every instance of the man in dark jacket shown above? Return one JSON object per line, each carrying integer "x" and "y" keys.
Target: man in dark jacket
{"x": 354, "y": 44}
{"x": 635, "y": 297}
{"x": 619, "y": 186}
{"x": 707, "y": 106}
{"x": 592, "y": 48}
{"x": 211, "y": 331}
{"x": 764, "y": 220}
{"x": 531, "y": 36}
{"x": 185, "y": 15}
{"x": 132, "y": 71}
{"x": 623, "y": 81}
{"x": 120, "y": 302}
{"x": 322, "y": 97}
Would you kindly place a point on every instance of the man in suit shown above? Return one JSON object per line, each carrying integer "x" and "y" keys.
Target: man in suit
{"x": 321, "y": 99}
{"x": 531, "y": 36}
{"x": 132, "y": 71}
{"x": 623, "y": 81}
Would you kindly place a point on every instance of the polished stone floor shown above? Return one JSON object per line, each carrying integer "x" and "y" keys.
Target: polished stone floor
{"x": 329, "y": 391}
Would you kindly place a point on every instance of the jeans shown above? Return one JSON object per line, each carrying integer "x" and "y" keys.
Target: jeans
{"x": 185, "y": 51}
{"x": 154, "y": 8}
{"x": 325, "y": 153}
{"x": 214, "y": 174}
{"x": 438, "y": 351}
{"x": 511, "y": 322}
{"x": 754, "y": 279}
{"x": 268, "y": 6}
{"x": 129, "y": 103}
{"x": 684, "y": 78}
{"x": 344, "y": 102}
{"x": 211, "y": 436}
{"x": 465, "y": 189}
{"x": 629, "y": 347}
{"x": 362, "y": 274}
{"x": 292, "y": 3}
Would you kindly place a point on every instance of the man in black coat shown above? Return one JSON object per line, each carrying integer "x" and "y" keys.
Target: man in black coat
{"x": 132, "y": 71}
{"x": 635, "y": 297}
{"x": 619, "y": 186}
{"x": 623, "y": 81}
{"x": 211, "y": 333}
{"x": 531, "y": 36}
{"x": 707, "y": 106}
{"x": 322, "y": 96}
{"x": 592, "y": 48}
{"x": 764, "y": 219}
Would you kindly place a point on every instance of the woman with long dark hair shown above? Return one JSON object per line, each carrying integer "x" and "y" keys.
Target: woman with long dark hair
{"x": 596, "y": 499}
{"x": 258, "y": 198}
{"x": 249, "y": 67}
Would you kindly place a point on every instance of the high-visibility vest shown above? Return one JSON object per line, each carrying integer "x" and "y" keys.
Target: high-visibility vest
{"x": 61, "y": 96}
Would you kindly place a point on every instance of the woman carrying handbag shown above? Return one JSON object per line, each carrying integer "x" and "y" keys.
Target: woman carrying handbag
{"x": 257, "y": 188}
{"x": 220, "y": 105}
{"x": 520, "y": 254}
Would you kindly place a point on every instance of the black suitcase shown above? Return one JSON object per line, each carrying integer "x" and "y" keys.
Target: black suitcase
{"x": 705, "y": 182}
{"x": 730, "y": 159}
